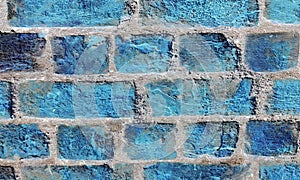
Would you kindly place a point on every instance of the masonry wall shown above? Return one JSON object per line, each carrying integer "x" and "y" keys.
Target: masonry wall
{"x": 142, "y": 89}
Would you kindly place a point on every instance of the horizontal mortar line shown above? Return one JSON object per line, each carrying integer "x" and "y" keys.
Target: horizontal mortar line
{"x": 273, "y": 159}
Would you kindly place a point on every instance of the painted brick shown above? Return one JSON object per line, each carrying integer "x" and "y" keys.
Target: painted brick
{"x": 217, "y": 139}
{"x": 66, "y": 100}
{"x": 145, "y": 141}
{"x": 271, "y": 138}
{"x": 271, "y": 52}
{"x": 200, "y": 12}
{"x": 84, "y": 143}
{"x": 277, "y": 172}
{"x": 20, "y": 51}
{"x": 5, "y": 100}
{"x": 7, "y": 172}
{"x": 23, "y": 141}
{"x": 200, "y": 97}
{"x": 209, "y": 52}
{"x": 143, "y": 53}
{"x": 80, "y": 54}
{"x": 60, "y": 13}
{"x": 166, "y": 170}
{"x": 287, "y": 11}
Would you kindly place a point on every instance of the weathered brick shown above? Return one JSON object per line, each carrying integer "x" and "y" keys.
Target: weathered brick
{"x": 217, "y": 139}
{"x": 143, "y": 53}
{"x": 84, "y": 143}
{"x": 271, "y": 138}
{"x": 7, "y": 172}
{"x": 23, "y": 141}
{"x": 201, "y": 12}
{"x": 123, "y": 171}
{"x": 209, "y": 52}
{"x": 200, "y": 97}
{"x": 19, "y": 51}
{"x": 66, "y": 100}
{"x": 287, "y": 11}
{"x": 166, "y": 170}
{"x": 284, "y": 171}
{"x": 5, "y": 100}
{"x": 60, "y": 13}
{"x": 270, "y": 52}
{"x": 146, "y": 141}
{"x": 80, "y": 54}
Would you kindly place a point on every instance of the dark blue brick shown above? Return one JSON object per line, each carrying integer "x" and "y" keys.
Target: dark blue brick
{"x": 271, "y": 138}
{"x": 202, "y": 12}
{"x": 60, "y": 13}
{"x": 170, "y": 171}
{"x": 7, "y": 172}
{"x": 143, "y": 53}
{"x": 279, "y": 172}
{"x": 217, "y": 139}
{"x": 80, "y": 54}
{"x": 272, "y": 52}
{"x": 208, "y": 53}
{"x": 84, "y": 143}
{"x": 24, "y": 141}
{"x": 19, "y": 51}
{"x": 5, "y": 100}
{"x": 146, "y": 141}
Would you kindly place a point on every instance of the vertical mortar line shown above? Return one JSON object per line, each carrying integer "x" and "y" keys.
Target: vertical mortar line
{"x": 175, "y": 60}
{"x": 47, "y": 62}
{"x": 16, "y": 109}
{"x": 262, "y": 9}
{"x": 143, "y": 111}
{"x": 111, "y": 49}
{"x": 180, "y": 138}
{"x": 53, "y": 147}
{"x": 18, "y": 171}
{"x": 138, "y": 171}
{"x": 3, "y": 16}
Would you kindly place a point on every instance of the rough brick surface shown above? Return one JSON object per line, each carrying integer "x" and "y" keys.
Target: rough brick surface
{"x": 217, "y": 139}
{"x": 23, "y": 141}
{"x": 7, "y": 172}
{"x": 5, "y": 100}
{"x": 271, "y": 138}
{"x": 277, "y": 171}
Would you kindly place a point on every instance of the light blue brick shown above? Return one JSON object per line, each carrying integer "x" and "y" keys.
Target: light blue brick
{"x": 5, "y": 100}
{"x": 279, "y": 172}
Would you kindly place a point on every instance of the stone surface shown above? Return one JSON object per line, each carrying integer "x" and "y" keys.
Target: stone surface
{"x": 271, "y": 138}
{"x": 5, "y": 100}
{"x": 271, "y": 52}
{"x": 148, "y": 142}
{"x": 84, "y": 143}
{"x": 143, "y": 53}
{"x": 217, "y": 139}
{"x": 277, "y": 171}
{"x": 208, "y": 52}
{"x": 20, "y": 51}
{"x": 23, "y": 141}
{"x": 80, "y": 54}
{"x": 7, "y": 172}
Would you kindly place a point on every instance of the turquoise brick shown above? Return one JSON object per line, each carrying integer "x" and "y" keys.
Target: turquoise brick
{"x": 5, "y": 100}
{"x": 84, "y": 143}
{"x": 148, "y": 142}
{"x": 217, "y": 139}
{"x": 23, "y": 141}
{"x": 283, "y": 11}
{"x": 7, "y": 172}
{"x": 80, "y": 54}
{"x": 178, "y": 171}
{"x": 209, "y": 52}
{"x": 271, "y": 138}
{"x": 202, "y": 12}
{"x": 280, "y": 172}
{"x": 271, "y": 52}
{"x": 20, "y": 51}
{"x": 62, "y": 13}
{"x": 200, "y": 97}
{"x": 143, "y": 53}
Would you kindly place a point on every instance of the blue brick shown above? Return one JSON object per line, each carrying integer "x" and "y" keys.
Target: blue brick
{"x": 88, "y": 100}
{"x": 19, "y": 51}
{"x": 287, "y": 11}
{"x": 123, "y": 171}
{"x": 210, "y": 52}
{"x": 60, "y": 13}
{"x": 201, "y": 12}
{"x": 80, "y": 54}
{"x": 84, "y": 143}
{"x": 217, "y": 139}
{"x": 280, "y": 172}
{"x": 143, "y": 53}
{"x": 5, "y": 100}
{"x": 146, "y": 141}
{"x": 271, "y": 138}
{"x": 24, "y": 141}
{"x": 200, "y": 97}
{"x": 285, "y": 98}
{"x": 170, "y": 171}
{"x": 272, "y": 52}
{"x": 7, "y": 172}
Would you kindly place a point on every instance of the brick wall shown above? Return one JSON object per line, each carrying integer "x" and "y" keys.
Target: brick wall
{"x": 139, "y": 89}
